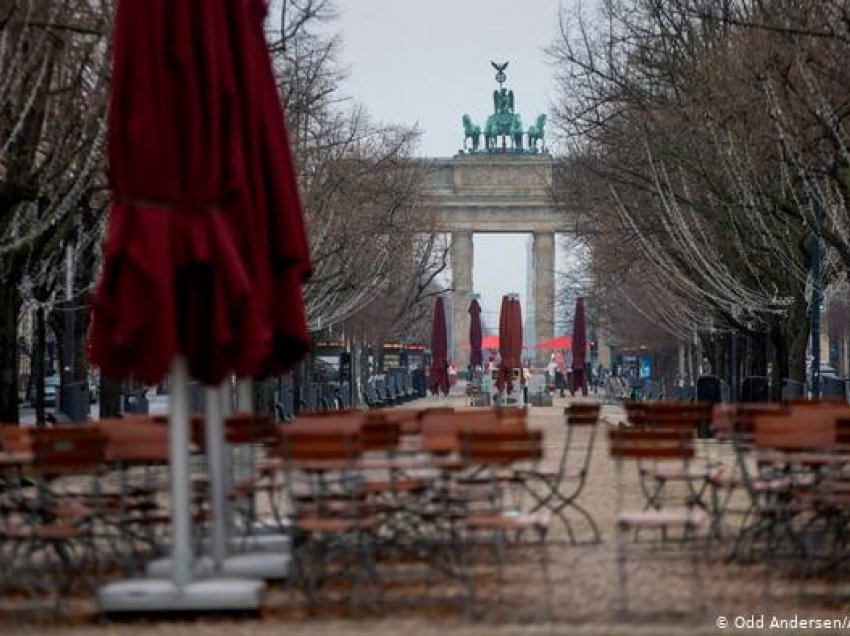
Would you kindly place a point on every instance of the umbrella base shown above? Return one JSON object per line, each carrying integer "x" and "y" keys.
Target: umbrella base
{"x": 261, "y": 543}
{"x": 252, "y": 543}
{"x": 250, "y": 565}
{"x": 162, "y": 596}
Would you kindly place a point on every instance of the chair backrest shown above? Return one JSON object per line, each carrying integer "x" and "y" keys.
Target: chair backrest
{"x": 742, "y": 419}
{"x": 636, "y": 413}
{"x": 674, "y": 414}
{"x": 440, "y": 430}
{"x": 379, "y": 434}
{"x": 407, "y": 419}
{"x": 68, "y": 450}
{"x": 651, "y": 443}
{"x": 319, "y": 449}
{"x": 332, "y": 421}
{"x": 498, "y": 447}
{"x": 249, "y": 428}
{"x": 796, "y": 432}
{"x": 822, "y": 402}
{"x": 842, "y": 431}
{"x": 582, "y": 414}
{"x": 134, "y": 440}
{"x": 15, "y": 439}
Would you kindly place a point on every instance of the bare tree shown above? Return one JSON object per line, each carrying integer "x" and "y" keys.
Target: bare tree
{"x": 53, "y": 73}
{"x": 671, "y": 110}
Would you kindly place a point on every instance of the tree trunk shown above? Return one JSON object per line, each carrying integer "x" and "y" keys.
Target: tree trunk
{"x": 758, "y": 354}
{"x": 262, "y": 394}
{"x": 10, "y": 307}
{"x": 81, "y": 330}
{"x": 297, "y": 371}
{"x": 38, "y": 364}
{"x": 779, "y": 368}
{"x": 109, "y": 395}
{"x": 797, "y": 346}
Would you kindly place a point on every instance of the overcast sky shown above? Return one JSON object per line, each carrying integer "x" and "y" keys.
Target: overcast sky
{"x": 427, "y": 62}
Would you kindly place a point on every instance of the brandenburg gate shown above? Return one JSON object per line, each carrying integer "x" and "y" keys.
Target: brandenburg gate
{"x": 504, "y": 187}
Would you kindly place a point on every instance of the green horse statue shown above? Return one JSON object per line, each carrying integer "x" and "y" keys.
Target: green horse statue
{"x": 535, "y": 133}
{"x": 471, "y": 131}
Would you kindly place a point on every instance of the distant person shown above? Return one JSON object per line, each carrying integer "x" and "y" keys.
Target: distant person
{"x": 560, "y": 382}
{"x": 551, "y": 372}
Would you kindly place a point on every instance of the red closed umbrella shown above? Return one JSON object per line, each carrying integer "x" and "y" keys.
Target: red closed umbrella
{"x": 276, "y": 240}
{"x": 205, "y": 250}
{"x": 579, "y": 348}
{"x": 438, "y": 381}
{"x": 475, "y": 339}
{"x": 510, "y": 342}
{"x": 516, "y": 326}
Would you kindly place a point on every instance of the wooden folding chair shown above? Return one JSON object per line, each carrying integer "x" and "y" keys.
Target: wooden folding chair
{"x": 790, "y": 489}
{"x": 497, "y": 451}
{"x": 137, "y": 451}
{"x": 562, "y": 487}
{"x": 51, "y": 528}
{"x": 655, "y": 444}
{"x": 332, "y": 523}
{"x": 692, "y": 418}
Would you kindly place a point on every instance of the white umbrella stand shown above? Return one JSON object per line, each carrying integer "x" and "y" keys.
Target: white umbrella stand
{"x": 181, "y": 592}
{"x": 252, "y": 555}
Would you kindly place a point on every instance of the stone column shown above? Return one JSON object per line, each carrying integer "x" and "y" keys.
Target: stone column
{"x": 543, "y": 255}
{"x": 461, "y": 255}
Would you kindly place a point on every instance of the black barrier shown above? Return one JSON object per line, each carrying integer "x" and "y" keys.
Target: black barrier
{"x": 684, "y": 393}
{"x": 755, "y": 388}
{"x": 135, "y": 402}
{"x": 833, "y": 387}
{"x": 793, "y": 389}
{"x": 417, "y": 381}
{"x": 709, "y": 389}
{"x": 75, "y": 401}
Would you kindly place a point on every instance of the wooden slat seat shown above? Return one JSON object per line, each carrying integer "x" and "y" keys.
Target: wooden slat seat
{"x": 507, "y": 521}
{"x": 688, "y": 518}
{"x": 335, "y": 524}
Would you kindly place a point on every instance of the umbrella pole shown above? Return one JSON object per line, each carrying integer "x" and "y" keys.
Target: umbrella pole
{"x": 244, "y": 399}
{"x": 245, "y": 404}
{"x": 181, "y": 544}
{"x": 218, "y": 486}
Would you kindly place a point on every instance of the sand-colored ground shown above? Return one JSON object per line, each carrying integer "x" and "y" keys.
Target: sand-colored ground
{"x": 584, "y": 582}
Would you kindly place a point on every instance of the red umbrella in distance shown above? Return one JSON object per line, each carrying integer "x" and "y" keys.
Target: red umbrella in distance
{"x": 510, "y": 342}
{"x": 503, "y": 376}
{"x": 556, "y": 344}
{"x": 490, "y": 343}
{"x": 516, "y": 340}
{"x": 439, "y": 379}
{"x": 579, "y": 348}
{"x": 475, "y": 357}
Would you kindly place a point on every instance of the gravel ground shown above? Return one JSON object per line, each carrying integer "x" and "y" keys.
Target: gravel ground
{"x": 584, "y": 583}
